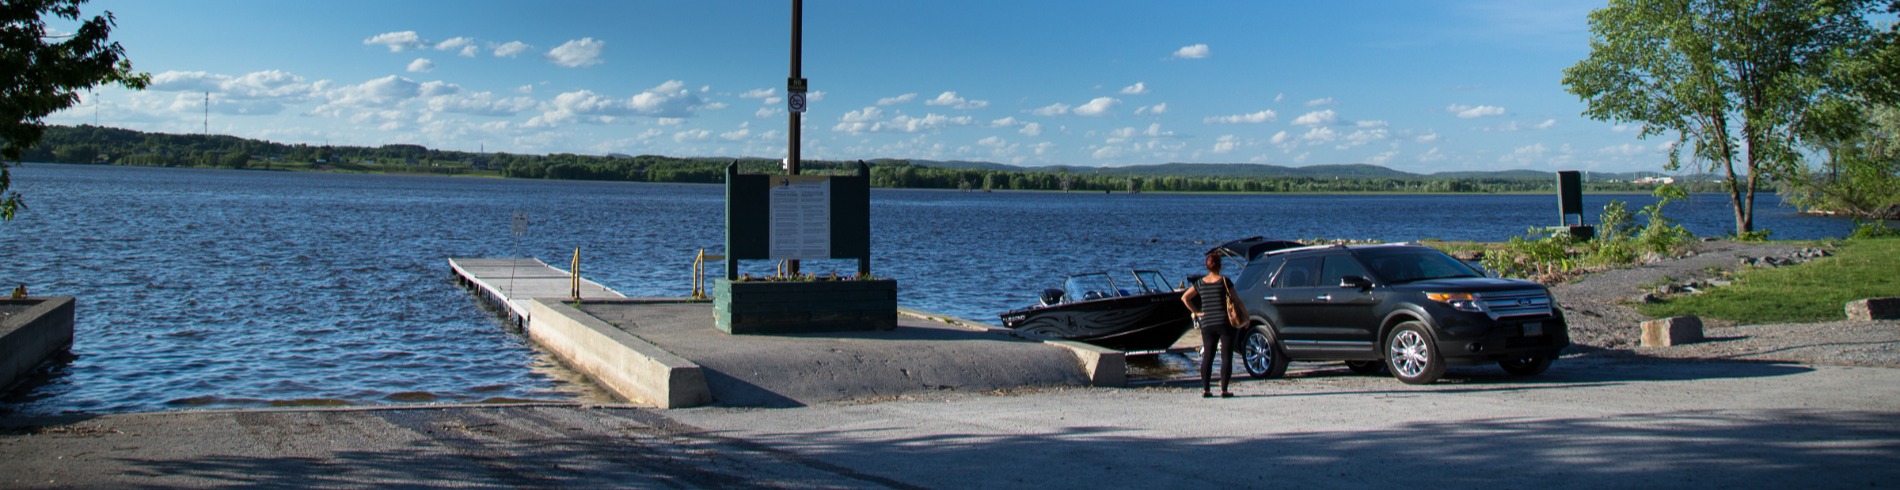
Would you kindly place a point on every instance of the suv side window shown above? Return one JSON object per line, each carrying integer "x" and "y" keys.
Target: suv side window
{"x": 1338, "y": 267}
{"x": 1299, "y": 273}
{"x": 1258, "y": 271}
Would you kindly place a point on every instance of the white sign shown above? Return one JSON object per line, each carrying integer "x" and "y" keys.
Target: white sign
{"x": 801, "y": 217}
{"x": 796, "y": 101}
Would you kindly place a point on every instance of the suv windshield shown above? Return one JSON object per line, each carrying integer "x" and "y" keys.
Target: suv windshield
{"x": 1399, "y": 265}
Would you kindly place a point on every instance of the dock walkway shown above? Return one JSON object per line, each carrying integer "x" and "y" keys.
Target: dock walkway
{"x": 514, "y": 283}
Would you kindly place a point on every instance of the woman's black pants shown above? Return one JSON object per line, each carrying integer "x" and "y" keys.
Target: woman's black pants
{"x": 1224, "y": 336}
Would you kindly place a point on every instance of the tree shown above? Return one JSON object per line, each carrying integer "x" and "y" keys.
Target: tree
{"x": 1733, "y": 79}
{"x": 41, "y": 74}
{"x": 1860, "y": 172}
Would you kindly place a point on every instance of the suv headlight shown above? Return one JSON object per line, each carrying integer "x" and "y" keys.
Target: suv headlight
{"x": 1458, "y": 301}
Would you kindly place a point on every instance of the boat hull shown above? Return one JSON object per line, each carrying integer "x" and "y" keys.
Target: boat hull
{"x": 1129, "y": 323}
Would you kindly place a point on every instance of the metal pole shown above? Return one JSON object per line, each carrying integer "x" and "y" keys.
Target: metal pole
{"x": 791, "y": 160}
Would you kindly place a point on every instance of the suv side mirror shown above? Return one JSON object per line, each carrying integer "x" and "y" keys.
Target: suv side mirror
{"x": 1355, "y": 282}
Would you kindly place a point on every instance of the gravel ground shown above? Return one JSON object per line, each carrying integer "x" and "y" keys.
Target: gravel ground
{"x": 1601, "y": 323}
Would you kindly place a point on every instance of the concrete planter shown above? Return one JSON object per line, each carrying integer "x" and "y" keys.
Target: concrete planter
{"x": 762, "y": 307}
{"x": 29, "y": 337}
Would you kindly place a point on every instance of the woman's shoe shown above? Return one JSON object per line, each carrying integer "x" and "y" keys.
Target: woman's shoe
{"x": 1226, "y": 395}
{"x": 1205, "y": 394}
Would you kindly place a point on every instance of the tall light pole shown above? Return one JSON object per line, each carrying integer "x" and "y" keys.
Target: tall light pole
{"x": 795, "y": 100}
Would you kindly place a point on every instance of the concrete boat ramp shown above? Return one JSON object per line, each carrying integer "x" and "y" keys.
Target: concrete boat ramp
{"x": 666, "y": 352}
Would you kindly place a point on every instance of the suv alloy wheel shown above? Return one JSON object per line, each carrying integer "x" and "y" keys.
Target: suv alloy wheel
{"x": 1261, "y": 353}
{"x": 1411, "y": 355}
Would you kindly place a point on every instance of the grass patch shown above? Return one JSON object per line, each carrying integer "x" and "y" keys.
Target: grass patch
{"x": 1813, "y": 292}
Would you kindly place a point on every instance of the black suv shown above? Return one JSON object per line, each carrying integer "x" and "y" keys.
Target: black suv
{"x": 1405, "y": 308}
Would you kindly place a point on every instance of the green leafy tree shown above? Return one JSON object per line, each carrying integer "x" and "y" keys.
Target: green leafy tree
{"x": 1734, "y": 80}
{"x": 1859, "y": 172}
{"x": 42, "y": 73}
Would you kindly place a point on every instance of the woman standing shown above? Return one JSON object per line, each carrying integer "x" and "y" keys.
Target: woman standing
{"x": 1218, "y": 316}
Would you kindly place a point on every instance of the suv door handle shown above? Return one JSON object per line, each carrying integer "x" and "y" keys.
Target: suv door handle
{"x": 1323, "y": 297}
{"x": 1271, "y": 299}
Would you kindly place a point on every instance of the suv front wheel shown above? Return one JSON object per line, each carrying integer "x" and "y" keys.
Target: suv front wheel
{"x": 1261, "y": 353}
{"x": 1411, "y": 356}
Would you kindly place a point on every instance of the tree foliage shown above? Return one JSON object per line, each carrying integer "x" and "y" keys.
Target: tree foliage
{"x": 41, "y": 73}
{"x": 1740, "y": 83}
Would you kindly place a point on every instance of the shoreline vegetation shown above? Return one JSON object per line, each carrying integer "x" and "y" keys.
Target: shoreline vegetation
{"x": 99, "y": 145}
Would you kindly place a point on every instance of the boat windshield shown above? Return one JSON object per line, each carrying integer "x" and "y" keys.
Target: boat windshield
{"x": 1091, "y": 286}
{"x": 1152, "y": 282}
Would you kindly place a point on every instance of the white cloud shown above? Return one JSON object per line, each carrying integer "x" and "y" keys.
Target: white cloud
{"x": 1005, "y": 122}
{"x": 1468, "y": 112}
{"x": 1372, "y": 123}
{"x": 670, "y": 100}
{"x": 1153, "y": 109}
{"x": 1431, "y": 155}
{"x": 691, "y": 135}
{"x": 1281, "y": 137}
{"x": 765, "y": 112}
{"x": 1319, "y": 102}
{"x": 1279, "y": 97}
{"x": 479, "y": 103}
{"x": 1623, "y": 128}
{"x": 1524, "y": 155}
{"x": 525, "y": 89}
{"x": 758, "y": 93}
{"x": 1137, "y": 89}
{"x": 1193, "y": 52}
{"x": 463, "y": 44}
{"x": 1226, "y": 144}
{"x": 1381, "y": 158}
{"x": 898, "y": 99}
{"x": 263, "y": 92}
{"x": 577, "y": 53}
{"x": 397, "y": 41}
{"x": 951, "y": 99}
{"x": 870, "y": 119}
{"x": 1427, "y": 137}
{"x": 1055, "y": 109}
{"x": 1097, "y": 107}
{"x": 1031, "y": 129}
{"x": 992, "y": 141}
{"x": 511, "y": 49}
{"x": 735, "y": 135}
{"x": 1628, "y": 150}
{"x": 1320, "y": 135}
{"x": 1365, "y": 136}
{"x": 421, "y": 65}
{"x": 1316, "y": 118}
{"x": 1547, "y": 124}
{"x": 381, "y": 92}
{"x": 1250, "y": 118}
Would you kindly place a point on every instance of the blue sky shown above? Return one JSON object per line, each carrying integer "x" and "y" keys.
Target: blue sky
{"x": 1416, "y": 86}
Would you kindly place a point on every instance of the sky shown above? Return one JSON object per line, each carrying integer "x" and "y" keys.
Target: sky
{"x": 1415, "y": 86}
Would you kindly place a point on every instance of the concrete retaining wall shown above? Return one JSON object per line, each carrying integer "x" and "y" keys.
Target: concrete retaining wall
{"x": 619, "y": 361}
{"x": 28, "y": 338}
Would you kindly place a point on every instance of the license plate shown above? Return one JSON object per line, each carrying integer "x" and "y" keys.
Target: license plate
{"x": 1533, "y": 329}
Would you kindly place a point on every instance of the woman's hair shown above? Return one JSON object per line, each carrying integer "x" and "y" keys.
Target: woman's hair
{"x": 1213, "y": 262}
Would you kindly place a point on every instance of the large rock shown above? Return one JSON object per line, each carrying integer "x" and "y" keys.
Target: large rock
{"x": 1675, "y": 330}
{"x": 1874, "y": 309}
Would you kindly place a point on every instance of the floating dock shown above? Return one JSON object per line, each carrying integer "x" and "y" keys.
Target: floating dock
{"x": 513, "y": 284}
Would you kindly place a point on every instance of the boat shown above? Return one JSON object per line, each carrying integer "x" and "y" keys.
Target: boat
{"x": 1142, "y": 312}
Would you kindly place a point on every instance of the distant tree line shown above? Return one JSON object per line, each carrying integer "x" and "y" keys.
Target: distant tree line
{"x": 99, "y": 145}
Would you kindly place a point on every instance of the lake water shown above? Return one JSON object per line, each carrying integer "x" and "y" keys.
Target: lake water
{"x": 212, "y": 288}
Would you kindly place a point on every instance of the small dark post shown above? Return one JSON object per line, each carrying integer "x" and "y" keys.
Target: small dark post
{"x": 864, "y": 262}
{"x": 732, "y": 257}
{"x": 1570, "y": 201}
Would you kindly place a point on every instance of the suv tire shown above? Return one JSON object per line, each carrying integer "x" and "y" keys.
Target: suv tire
{"x": 1261, "y": 354}
{"x": 1411, "y": 355}
{"x": 1526, "y": 366}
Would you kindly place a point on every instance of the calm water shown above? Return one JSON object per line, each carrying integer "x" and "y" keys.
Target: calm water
{"x": 207, "y": 288}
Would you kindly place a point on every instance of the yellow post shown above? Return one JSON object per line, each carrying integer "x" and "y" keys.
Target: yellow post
{"x": 699, "y": 270}
{"x": 574, "y": 284}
